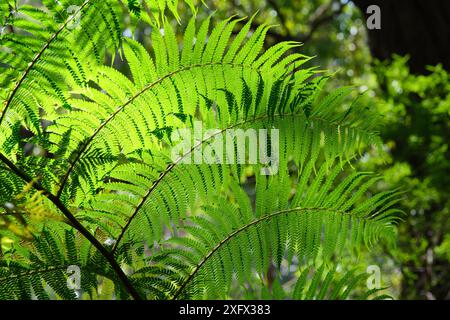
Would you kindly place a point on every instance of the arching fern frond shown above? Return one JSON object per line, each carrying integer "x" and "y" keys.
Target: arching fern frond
{"x": 42, "y": 57}
{"x": 148, "y": 180}
{"x": 42, "y": 271}
{"x": 232, "y": 239}
{"x": 99, "y": 116}
{"x": 95, "y": 147}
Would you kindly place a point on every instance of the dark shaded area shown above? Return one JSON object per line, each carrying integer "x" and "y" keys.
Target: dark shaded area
{"x": 421, "y": 30}
{"x": 418, "y": 28}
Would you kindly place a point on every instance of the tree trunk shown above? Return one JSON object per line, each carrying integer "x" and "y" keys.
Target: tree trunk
{"x": 418, "y": 28}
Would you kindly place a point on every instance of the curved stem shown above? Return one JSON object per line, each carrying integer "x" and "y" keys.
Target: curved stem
{"x": 172, "y": 165}
{"x": 85, "y": 146}
{"x": 36, "y": 58}
{"x": 241, "y": 229}
{"x": 78, "y": 226}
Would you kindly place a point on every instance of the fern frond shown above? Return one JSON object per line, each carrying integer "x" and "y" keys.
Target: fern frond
{"x": 89, "y": 146}
{"x": 42, "y": 60}
{"x": 325, "y": 283}
{"x": 164, "y": 102}
{"x": 29, "y": 274}
{"x": 149, "y": 183}
{"x": 234, "y": 238}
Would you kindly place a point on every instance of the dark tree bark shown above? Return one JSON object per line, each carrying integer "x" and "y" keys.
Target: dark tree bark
{"x": 419, "y": 28}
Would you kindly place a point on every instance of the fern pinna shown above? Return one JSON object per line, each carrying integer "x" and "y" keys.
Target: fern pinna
{"x": 87, "y": 178}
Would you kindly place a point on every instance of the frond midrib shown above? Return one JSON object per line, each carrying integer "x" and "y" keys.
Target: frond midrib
{"x": 245, "y": 227}
{"x": 37, "y": 57}
{"x": 129, "y": 101}
{"x": 75, "y": 223}
{"x": 171, "y": 166}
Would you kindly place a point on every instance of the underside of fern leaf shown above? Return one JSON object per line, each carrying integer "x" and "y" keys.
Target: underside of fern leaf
{"x": 88, "y": 178}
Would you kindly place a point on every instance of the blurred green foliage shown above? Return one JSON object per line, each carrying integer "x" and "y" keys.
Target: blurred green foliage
{"x": 416, "y": 159}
